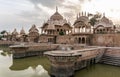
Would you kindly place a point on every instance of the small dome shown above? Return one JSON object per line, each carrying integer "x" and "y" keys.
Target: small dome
{"x": 104, "y": 19}
{"x": 82, "y": 19}
{"x": 22, "y": 32}
{"x": 33, "y": 29}
{"x": 15, "y": 32}
{"x": 104, "y": 22}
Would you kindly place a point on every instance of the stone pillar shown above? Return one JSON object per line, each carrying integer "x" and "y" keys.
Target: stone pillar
{"x": 79, "y": 30}
{"x": 85, "y": 30}
{"x": 74, "y": 29}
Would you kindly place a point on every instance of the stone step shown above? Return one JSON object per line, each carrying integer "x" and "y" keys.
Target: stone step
{"x": 117, "y": 64}
{"x": 110, "y": 60}
{"x": 111, "y": 57}
{"x": 116, "y": 60}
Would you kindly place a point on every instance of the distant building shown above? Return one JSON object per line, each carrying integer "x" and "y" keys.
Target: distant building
{"x": 104, "y": 25}
{"x": 33, "y": 35}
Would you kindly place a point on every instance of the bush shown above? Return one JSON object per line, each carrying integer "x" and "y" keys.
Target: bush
{"x": 61, "y": 33}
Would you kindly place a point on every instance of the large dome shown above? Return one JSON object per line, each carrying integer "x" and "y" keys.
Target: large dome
{"x": 82, "y": 19}
{"x": 56, "y": 16}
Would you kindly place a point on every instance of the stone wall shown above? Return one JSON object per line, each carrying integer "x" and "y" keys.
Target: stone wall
{"x": 32, "y": 50}
{"x": 106, "y": 39}
{"x": 65, "y": 39}
{"x": 6, "y": 43}
{"x": 43, "y": 39}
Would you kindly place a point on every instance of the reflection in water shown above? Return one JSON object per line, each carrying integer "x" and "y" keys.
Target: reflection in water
{"x": 24, "y": 63}
{"x": 40, "y": 72}
{"x": 99, "y": 70}
{"x": 36, "y": 64}
{"x": 33, "y": 67}
{"x": 26, "y": 67}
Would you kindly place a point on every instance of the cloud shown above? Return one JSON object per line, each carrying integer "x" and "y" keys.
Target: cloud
{"x": 82, "y": 1}
{"x": 68, "y": 7}
{"x": 47, "y": 3}
{"x": 30, "y": 12}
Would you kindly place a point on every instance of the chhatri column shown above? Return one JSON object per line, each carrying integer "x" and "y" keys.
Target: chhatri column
{"x": 62, "y": 63}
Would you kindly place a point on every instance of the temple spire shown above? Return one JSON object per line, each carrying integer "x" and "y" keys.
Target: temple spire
{"x": 56, "y": 9}
{"x": 77, "y": 16}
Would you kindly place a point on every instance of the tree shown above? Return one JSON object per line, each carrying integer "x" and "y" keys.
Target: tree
{"x": 93, "y": 21}
{"x": 2, "y": 32}
{"x": 95, "y": 18}
{"x": 61, "y": 33}
{"x": 1, "y": 36}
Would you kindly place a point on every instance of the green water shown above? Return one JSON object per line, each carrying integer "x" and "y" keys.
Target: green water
{"x": 40, "y": 66}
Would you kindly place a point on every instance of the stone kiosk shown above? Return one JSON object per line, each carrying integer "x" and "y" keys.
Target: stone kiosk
{"x": 19, "y": 50}
{"x": 62, "y": 63}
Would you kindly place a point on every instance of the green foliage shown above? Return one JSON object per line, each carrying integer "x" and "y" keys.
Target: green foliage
{"x": 94, "y": 19}
{"x": 61, "y": 33}
{"x": 3, "y": 53}
{"x": 2, "y": 32}
{"x": 1, "y": 36}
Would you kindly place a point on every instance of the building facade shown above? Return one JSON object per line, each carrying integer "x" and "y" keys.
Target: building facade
{"x": 57, "y": 30}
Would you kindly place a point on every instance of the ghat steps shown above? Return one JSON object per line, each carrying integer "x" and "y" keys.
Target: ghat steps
{"x": 110, "y": 60}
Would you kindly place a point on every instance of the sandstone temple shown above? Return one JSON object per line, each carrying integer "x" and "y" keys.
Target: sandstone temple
{"x": 69, "y": 47}
{"x": 57, "y": 30}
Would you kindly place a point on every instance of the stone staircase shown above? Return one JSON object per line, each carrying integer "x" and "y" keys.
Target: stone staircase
{"x": 110, "y": 60}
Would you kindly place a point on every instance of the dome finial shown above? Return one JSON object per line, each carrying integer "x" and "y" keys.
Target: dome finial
{"x": 77, "y": 16}
{"x": 85, "y": 13}
{"x": 56, "y": 9}
{"x": 82, "y": 13}
{"x": 103, "y": 14}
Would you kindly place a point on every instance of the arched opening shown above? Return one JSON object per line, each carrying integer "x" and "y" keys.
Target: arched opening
{"x": 100, "y": 30}
{"x": 79, "y": 41}
{"x": 83, "y": 40}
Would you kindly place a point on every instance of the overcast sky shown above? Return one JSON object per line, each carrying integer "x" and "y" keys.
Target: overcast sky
{"x": 24, "y": 13}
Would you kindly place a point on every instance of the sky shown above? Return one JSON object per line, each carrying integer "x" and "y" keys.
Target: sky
{"x": 25, "y": 13}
